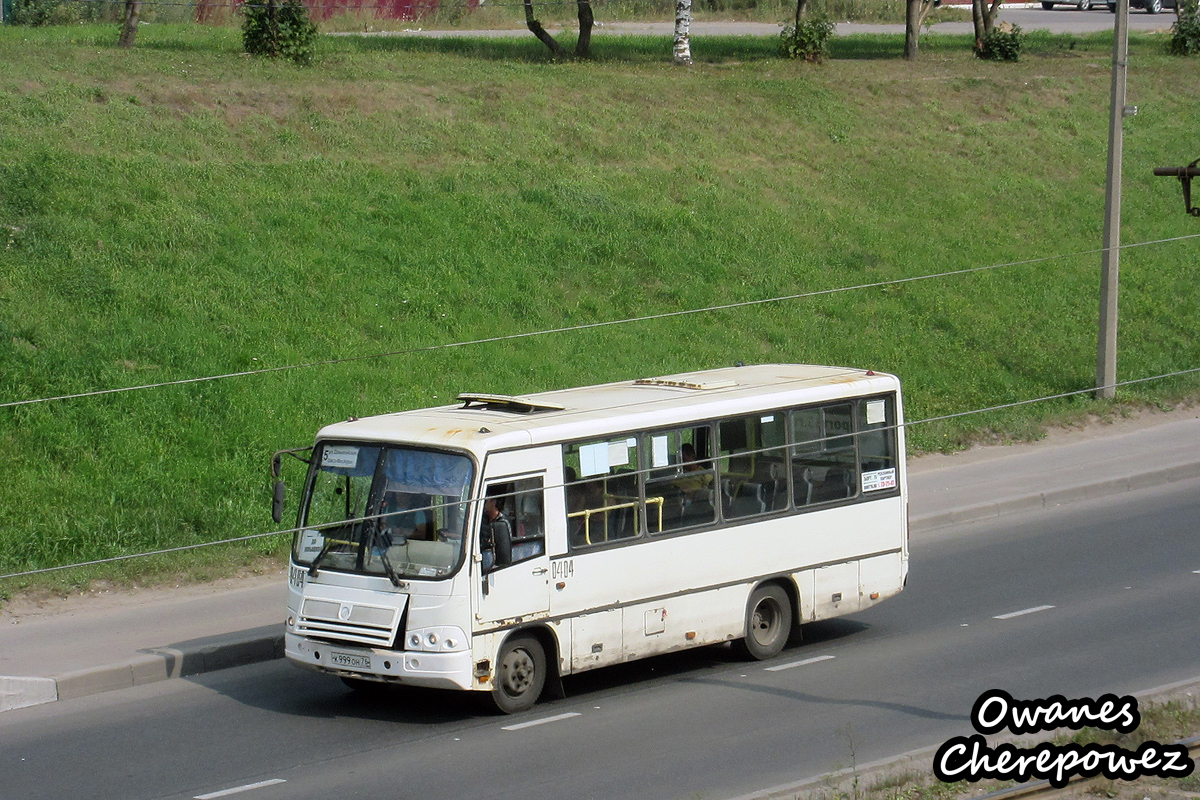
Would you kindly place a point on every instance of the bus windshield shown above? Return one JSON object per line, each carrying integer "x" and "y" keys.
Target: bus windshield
{"x": 394, "y": 511}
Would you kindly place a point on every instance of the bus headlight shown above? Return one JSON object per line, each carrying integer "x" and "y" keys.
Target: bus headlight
{"x": 441, "y": 639}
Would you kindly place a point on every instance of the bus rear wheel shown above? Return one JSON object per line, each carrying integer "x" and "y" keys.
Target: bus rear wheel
{"x": 768, "y": 623}
{"x": 520, "y": 675}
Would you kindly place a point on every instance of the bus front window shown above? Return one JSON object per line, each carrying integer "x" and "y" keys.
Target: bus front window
{"x": 399, "y": 512}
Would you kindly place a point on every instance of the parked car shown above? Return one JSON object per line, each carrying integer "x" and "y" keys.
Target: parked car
{"x": 1082, "y": 5}
{"x": 1151, "y": 6}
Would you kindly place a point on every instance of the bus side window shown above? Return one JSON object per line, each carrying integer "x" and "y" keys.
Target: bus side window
{"x": 529, "y": 534}
{"x": 752, "y": 451}
{"x": 824, "y": 460}
{"x": 602, "y": 491}
{"x": 680, "y": 481}
{"x": 877, "y": 444}
{"x": 521, "y": 504}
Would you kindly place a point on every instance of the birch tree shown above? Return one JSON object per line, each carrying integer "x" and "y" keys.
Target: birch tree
{"x": 683, "y": 37}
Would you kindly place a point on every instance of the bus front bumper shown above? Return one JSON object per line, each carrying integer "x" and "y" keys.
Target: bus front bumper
{"x": 434, "y": 670}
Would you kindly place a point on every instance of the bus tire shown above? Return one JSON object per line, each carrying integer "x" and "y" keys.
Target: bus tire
{"x": 768, "y": 623}
{"x": 520, "y": 674}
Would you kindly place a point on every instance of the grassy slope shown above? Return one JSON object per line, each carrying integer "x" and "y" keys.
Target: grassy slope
{"x": 182, "y": 210}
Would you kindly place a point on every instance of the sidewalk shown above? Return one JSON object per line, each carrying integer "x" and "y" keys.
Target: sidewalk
{"x": 141, "y": 637}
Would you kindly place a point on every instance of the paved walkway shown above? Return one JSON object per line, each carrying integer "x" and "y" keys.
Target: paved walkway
{"x": 1030, "y": 17}
{"x": 127, "y": 639}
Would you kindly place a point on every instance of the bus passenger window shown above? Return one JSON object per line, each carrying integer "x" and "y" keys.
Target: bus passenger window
{"x": 680, "y": 482}
{"x": 753, "y": 451}
{"x": 877, "y": 444}
{"x": 824, "y": 464}
{"x": 602, "y": 491}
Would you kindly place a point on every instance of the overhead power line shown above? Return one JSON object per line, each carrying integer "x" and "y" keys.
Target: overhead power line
{"x": 290, "y": 531}
{"x": 575, "y": 328}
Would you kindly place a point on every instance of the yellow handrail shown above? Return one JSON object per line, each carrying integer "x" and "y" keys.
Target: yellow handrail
{"x": 588, "y": 512}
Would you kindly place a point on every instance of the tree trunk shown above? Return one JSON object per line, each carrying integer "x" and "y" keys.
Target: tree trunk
{"x": 989, "y": 20}
{"x": 683, "y": 32}
{"x": 536, "y": 28}
{"x": 129, "y": 29}
{"x": 912, "y": 28}
{"x": 916, "y": 12}
{"x": 984, "y": 18}
{"x": 683, "y": 36}
{"x": 977, "y": 20}
{"x": 583, "y": 47}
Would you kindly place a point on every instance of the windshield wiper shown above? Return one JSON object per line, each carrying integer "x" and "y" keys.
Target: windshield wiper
{"x": 382, "y": 540}
{"x": 312, "y": 568}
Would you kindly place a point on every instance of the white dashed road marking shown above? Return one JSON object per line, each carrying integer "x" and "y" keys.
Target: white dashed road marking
{"x": 236, "y": 789}
{"x": 799, "y": 663}
{"x": 1022, "y": 612}
{"x": 541, "y": 721}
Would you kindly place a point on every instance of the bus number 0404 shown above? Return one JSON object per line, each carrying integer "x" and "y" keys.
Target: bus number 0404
{"x": 562, "y": 569}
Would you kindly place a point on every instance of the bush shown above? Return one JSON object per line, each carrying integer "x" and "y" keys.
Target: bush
{"x": 36, "y": 13}
{"x": 279, "y": 31}
{"x": 1185, "y": 33}
{"x": 1001, "y": 45}
{"x": 808, "y": 40}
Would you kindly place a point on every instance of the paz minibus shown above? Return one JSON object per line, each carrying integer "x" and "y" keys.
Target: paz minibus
{"x": 502, "y": 542}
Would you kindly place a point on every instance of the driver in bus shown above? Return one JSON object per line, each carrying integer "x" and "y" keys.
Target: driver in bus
{"x": 495, "y": 532}
{"x": 400, "y": 520}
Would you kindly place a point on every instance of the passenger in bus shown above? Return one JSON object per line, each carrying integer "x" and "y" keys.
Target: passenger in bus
{"x": 695, "y": 480}
{"x": 495, "y": 532}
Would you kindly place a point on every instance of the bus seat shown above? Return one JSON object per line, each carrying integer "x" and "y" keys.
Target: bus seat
{"x": 835, "y": 486}
{"x": 743, "y": 500}
{"x": 802, "y": 477}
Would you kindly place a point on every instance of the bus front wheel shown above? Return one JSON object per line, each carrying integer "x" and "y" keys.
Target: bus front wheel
{"x": 768, "y": 623}
{"x": 520, "y": 675}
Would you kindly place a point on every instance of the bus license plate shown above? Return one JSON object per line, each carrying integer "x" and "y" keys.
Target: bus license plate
{"x": 347, "y": 660}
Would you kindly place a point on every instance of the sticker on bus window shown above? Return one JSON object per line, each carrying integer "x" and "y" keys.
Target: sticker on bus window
{"x": 311, "y": 543}
{"x": 342, "y": 457}
{"x": 660, "y": 457}
{"x": 876, "y": 412}
{"x": 618, "y": 454}
{"x": 593, "y": 459}
{"x": 879, "y": 479}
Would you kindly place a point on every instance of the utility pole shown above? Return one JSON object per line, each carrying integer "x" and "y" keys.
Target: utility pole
{"x": 1106, "y": 361}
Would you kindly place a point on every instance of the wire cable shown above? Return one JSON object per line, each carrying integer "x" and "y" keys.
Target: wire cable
{"x": 292, "y": 531}
{"x": 583, "y": 327}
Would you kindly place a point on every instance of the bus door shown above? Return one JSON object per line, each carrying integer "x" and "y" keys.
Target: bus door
{"x": 513, "y": 579}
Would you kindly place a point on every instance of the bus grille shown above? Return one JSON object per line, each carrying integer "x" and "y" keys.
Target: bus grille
{"x": 349, "y": 622}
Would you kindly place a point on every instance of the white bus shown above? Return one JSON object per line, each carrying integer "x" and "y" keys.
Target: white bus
{"x": 640, "y": 517}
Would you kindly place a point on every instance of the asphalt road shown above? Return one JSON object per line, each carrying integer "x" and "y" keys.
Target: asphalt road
{"x": 1109, "y": 591}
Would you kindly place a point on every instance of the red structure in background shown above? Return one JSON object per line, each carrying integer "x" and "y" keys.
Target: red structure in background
{"x": 218, "y": 10}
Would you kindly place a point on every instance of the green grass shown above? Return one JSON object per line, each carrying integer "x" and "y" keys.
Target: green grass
{"x": 182, "y": 210}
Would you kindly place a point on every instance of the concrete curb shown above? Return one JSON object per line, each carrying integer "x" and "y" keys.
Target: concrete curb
{"x": 1056, "y": 497}
{"x": 186, "y": 659}
{"x": 241, "y": 648}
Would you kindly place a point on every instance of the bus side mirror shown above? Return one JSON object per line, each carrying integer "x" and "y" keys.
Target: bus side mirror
{"x": 277, "y": 502}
